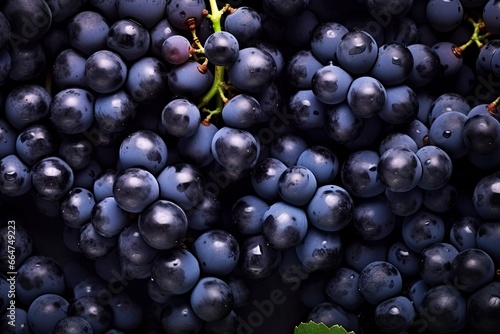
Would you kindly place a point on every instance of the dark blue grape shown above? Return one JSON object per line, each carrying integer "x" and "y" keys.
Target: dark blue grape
{"x": 240, "y": 288}
{"x": 395, "y": 315}
{"x": 435, "y": 263}
{"x": 342, "y": 124}
{"x": 103, "y": 185}
{"x": 242, "y": 111}
{"x": 379, "y": 281}
{"x": 320, "y": 250}
{"x": 39, "y": 275}
{"x": 265, "y": 177}
{"x": 403, "y": 30}
{"x": 441, "y": 199}
{"x": 366, "y": 96}
{"x": 300, "y": 29}
{"x": 147, "y": 79}
{"x": 176, "y": 49}
{"x": 360, "y": 253}
{"x": 481, "y": 134}
{"x": 147, "y": 12}
{"x": 444, "y": 15}
{"x": 331, "y": 208}
{"x": 395, "y": 139}
{"x": 207, "y": 213}
{"x": 426, "y": 65}
{"x": 189, "y": 80}
{"x": 177, "y": 316}
{"x": 258, "y": 259}
{"x": 446, "y": 132}
{"x": 325, "y": 40}
{"x": 163, "y": 224}
{"x": 72, "y": 110}
{"x": 463, "y": 233}
{"x": 247, "y": 213}
{"x": 143, "y": 148}
{"x": 359, "y": 174}
{"x": 87, "y": 32}
{"x": 394, "y": 64}
{"x": 107, "y": 218}
{"x": 329, "y": 314}
{"x": 422, "y": 229}
{"x": 183, "y": 184}
{"x": 330, "y": 84}
{"x": 450, "y": 60}
{"x": 127, "y": 313}
{"x": 275, "y": 52}
{"x": 284, "y": 225}
{"x": 487, "y": 238}
{"x": 235, "y": 149}
{"x": 128, "y": 38}
{"x": 444, "y": 309}
{"x": 399, "y": 169}
{"x": 448, "y": 102}
{"x": 77, "y": 207}
{"x": 158, "y": 34}
{"x": 307, "y": 111}
{"x": 133, "y": 249}
{"x": 72, "y": 325}
{"x": 26, "y": 104}
{"x": 342, "y": 288}
{"x": 244, "y": 23}
{"x": 76, "y": 151}
{"x": 221, "y": 48}
{"x": 196, "y": 149}
{"x": 85, "y": 177}
{"x": 180, "y": 118}
{"x": 179, "y": 11}
{"x": 483, "y": 307}
{"x": 404, "y": 259}
{"x": 322, "y": 162}
{"x": 105, "y": 71}
{"x": 300, "y": 69}
{"x": 357, "y": 52}
{"x": 297, "y": 185}
{"x": 416, "y": 292}
{"x": 51, "y": 178}
{"x": 35, "y": 142}
{"x": 436, "y": 167}
{"x": 92, "y": 244}
{"x": 176, "y": 271}
{"x": 135, "y": 188}
{"x": 211, "y": 299}
{"x": 401, "y": 105}
{"x": 46, "y": 311}
{"x": 114, "y": 112}
{"x": 68, "y": 69}
{"x": 15, "y": 178}
{"x": 404, "y": 203}
{"x": 99, "y": 315}
{"x": 419, "y": 132}
{"x": 217, "y": 252}
{"x": 228, "y": 325}
{"x": 27, "y": 61}
{"x": 373, "y": 219}
{"x": 287, "y": 148}
{"x": 472, "y": 269}
{"x": 253, "y": 71}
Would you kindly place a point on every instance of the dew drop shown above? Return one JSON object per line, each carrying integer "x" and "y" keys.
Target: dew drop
{"x": 10, "y": 176}
{"x": 427, "y": 162}
{"x": 447, "y": 134}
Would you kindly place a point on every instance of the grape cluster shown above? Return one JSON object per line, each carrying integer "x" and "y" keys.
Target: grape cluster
{"x": 197, "y": 162}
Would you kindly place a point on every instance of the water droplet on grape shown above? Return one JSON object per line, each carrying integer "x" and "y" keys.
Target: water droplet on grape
{"x": 427, "y": 162}
{"x": 10, "y": 176}
{"x": 447, "y": 134}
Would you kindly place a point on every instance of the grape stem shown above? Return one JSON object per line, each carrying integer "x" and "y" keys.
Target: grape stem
{"x": 475, "y": 38}
{"x": 217, "y": 90}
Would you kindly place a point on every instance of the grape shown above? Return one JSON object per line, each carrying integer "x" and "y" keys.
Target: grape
{"x": 471, "y": 269}
{"x": 359, "y": 174}
{"x": 265, "y": 177}
{"x": 442, "y": 199}
{"x": 330, "y": 314}
{"x": 105, "y": 71}
{"x": 77, "y": 206}
{"x": 320, "y": 250}
{"x": 103, "y": 185}
{"x": 177, "y": 316}
{"x": 487, "y": 237}
{"x": 39, "y": 275}
{"x": 46, "y": 311}
{"x": 35, "y": 142}
{"x": 402, "y": 30}
{"x": 69, "y": 69}
{"x": 247, "y": 213}
{"x": 242, "y": 111}
{"x": 330, "y": 84}
{"x": 373, "y": 219}
{"x": 325, "y": 40}
{"x": 221, "y": 48}
{"x": 379, "y": 281}
{"x": 419, "y": 132}
{"x": 435, "y": 263}
{"x": 480, "y": 134}
{"x": 16, "y": 180}
{"x": 196, "y": 149}
{"x": 426, "y": 65}
{"x": 211, "y": 299}
{"x": 146, "y": 79}
{"x": 51, "y": 178}
{"x": 244, "y": 24}
{"x": 183, "y": 184}
{"x": 284, "y": 225}
{"x": 301, "y": 68}
{"x": 97, "y": 314}
{"x": 228, "y": 325}
{"x": 450, "y": 62}
{"x": 331, "y": 208}
{"x": 179, "y": 11}
{"x": 72, "y": 110}
{"x": 401, "y": 105}
{"x": 307, "y": 111}
{"x": 36, "y": 15}
{"x": 114, "y": 112}
{"x": 26, "y": 104}
{"x": 87, "y": 32}
{"x": 342, "y": 124}
{"x": 366, "y": 96}
{"x": 147, "y": 12}
{"x": 482, "y": 309}
{"x": 357, "y": 52}
{"x": 72, "y": 325}
{"x": 128, "y": 38}
{"x": 444, "y": 15}
{"x": 342, "y": 288}
{"x": 395, "y": 139}
{"x": 92, "y": 244}
{"x": 393, "y": 65}
{"x": 76, "y": 151}
{"x": 422, "y": 229}
{"x": 399, "y": 169}
{"x": 188, "y": 80}
{"x": 448, "y": 102}
{"x": 444, "y": 309}
{"x": 489, "y": 16}
{"x": 395, "y": 315}
{"x": 253, "y": 71}
{"x": 404, "y": 203}
{"x": 176, "y": 49}
{"x": 163, "y": 224}
{"x": 134, "y": 189}
{"x": 404, "y": 259}
{"x": 436, "y": 167}
{"x": 217, "y": 252}
{"x": 176, "y": 271}
{"x": 258, "y": 258}
{"x": 235, "y": 149}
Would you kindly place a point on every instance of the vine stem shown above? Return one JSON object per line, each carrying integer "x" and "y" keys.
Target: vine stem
{"x": 215, "y": 90}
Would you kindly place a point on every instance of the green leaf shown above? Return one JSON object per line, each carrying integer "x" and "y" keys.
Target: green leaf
{"x": 314, "y": 328}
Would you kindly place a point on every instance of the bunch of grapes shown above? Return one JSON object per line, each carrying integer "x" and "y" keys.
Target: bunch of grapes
{"x": 191, "y": 166}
